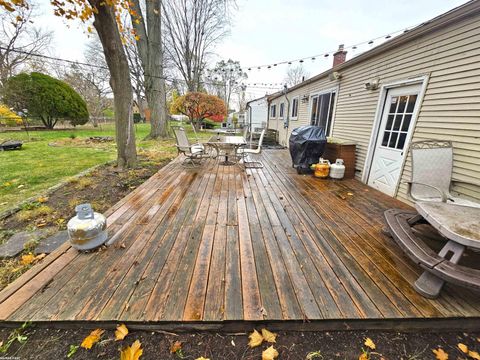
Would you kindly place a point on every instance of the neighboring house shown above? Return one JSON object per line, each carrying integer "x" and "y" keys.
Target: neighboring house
{"x": 257, "y": 113}
{"x": 423, "y": 84}
{"x": 240, "y": 119}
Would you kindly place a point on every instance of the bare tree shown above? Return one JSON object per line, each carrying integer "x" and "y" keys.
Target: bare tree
{"x": 137, "y": 74}
{"x": 150, "y": 51}
{"x": 19, "y": 39}
{"x": 192, "y": 28}
{"x": 225, "y": 79}
{"x": 91, "y": 82}
{"x": 295, "y": 75}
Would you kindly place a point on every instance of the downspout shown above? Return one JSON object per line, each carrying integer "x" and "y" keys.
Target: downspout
{"x": 286, "y": 123}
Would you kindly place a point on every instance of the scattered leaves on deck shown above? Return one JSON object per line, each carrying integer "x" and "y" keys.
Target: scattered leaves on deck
{"x": 202, "y": 358}
{"x": 369, "y": 343}
{"x": 176, "y": 346}
{"x": 268, "y": 336}
{"x": 121, "y": 332}
{"x": 132, "y": 352}
{"x": 474, "y": 355}
{"x": 270, "y": 353}
{"x": 30, "y": 258}
{"x": 363, "y": 356}
{"x": 256, "y": 339}
{"x": 92, "y": 339}
{"x": 440, "y": 354}
{"x": 463, "y": 348}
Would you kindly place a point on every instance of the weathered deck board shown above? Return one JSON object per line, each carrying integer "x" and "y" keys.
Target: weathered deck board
{"x": 217, "y": 243}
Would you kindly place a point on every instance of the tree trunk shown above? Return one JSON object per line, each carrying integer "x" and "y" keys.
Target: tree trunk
{"x": 151, "y": 55}
{"x": 120, "y": 81}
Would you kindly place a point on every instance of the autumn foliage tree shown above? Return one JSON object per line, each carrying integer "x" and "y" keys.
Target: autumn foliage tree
{"x": 199, "y": 106}
{"x": 106, "y": 15}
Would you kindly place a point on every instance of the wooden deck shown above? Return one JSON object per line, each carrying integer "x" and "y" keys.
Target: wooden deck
{"x": 217, "y": 243}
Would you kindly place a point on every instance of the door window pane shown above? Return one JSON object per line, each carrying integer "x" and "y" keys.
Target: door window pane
{"x": 393, "y": 105}
{"x": 393, "y": 140}
{"x": 402, "y": 104}
{"x": 398, "y": 121}
{"x": 411, "y": 103}
{"x": 406, "y": 122}
{"x": 386, "y": 135}
{"x": 389, "y": 122}
{"x": 401, "y": 141}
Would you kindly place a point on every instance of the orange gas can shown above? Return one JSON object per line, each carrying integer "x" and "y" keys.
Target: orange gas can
{"x": 322, "y": 169}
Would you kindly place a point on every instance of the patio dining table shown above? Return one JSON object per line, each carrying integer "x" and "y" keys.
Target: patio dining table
{"x": 461, "y": 226}
{"x": 228, "y": 144}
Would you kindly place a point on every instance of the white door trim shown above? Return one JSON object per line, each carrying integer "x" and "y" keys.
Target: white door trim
{"x": 378, "y": 119}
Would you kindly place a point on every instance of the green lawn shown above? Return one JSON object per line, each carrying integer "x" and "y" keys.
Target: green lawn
{"x": 38, "y": 166}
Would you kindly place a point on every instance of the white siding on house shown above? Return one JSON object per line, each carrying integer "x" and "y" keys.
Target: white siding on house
{"x": 451, "y": 105}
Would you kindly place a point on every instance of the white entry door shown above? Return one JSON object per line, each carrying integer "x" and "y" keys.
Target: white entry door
{"x": 395, "y": 127}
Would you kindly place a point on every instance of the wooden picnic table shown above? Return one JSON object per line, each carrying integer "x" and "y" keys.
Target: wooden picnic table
{"x": 461, "y": 226}
{"x": 229, "y": 144}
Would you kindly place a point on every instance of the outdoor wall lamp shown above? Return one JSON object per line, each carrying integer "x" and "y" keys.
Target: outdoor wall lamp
{"x": 305, "y": 99}
{"x": 372, "y": 85}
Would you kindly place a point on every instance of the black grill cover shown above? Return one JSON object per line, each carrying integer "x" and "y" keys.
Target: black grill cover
{"x": 307, "y": 144}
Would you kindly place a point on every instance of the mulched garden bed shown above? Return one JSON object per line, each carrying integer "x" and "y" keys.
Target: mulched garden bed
{"x": 42, "y": 343}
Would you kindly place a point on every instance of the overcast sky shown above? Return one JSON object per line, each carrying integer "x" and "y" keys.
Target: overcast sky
{"x": 270, "y": 31}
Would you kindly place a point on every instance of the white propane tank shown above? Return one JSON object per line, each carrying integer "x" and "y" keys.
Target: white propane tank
{"x": 337, "y": 170}
{"x": 88, "y": 229}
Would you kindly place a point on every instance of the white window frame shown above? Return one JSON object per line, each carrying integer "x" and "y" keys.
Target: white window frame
{"x": 281, "y": 106}
{"x": 273, "y": 106}
{"x": 298, "y": 103}
{"x": 382, "y": 97}
{"x": 323, "y": 92}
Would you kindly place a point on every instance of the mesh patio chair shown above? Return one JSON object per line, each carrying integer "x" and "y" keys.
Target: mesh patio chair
{"x": 246, "y": 153}
{"x": 192, "y": 152}
{"x": 432, "y": 163}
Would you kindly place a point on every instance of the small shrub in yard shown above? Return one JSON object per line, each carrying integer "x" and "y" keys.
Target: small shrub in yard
{"x": 72, "y": 136}
{"x": 42, "y": 210}
{"x": 84, "y": 182}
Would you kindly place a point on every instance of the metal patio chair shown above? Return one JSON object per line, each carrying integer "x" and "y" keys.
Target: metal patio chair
{"x": 192, "y": 152}
{"x": 246, "y": 153}
{"x": 431, "y": 180}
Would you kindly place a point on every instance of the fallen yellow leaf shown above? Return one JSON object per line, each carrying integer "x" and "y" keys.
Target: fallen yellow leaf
{"x": 202, "y": 358}
{"x": 463, "y": 348}
{"x": 256, "y": 339}
{"x": 363, "y": 356}
{"x": 269, "y": 354}
{"x": 268, "y": 336}
{"x": 440, "y": 354}
{"x": 132, "y": 352}
{"x": 27, "y": 259}
{"x": 42, "y": 199}
{"x": 40, "y": 256}
{"x": 121, "y": 332}
{"x": 474, "y": 355}
{"x": 369, "y": 343}
{"x": 92, "y": 339}
{"x": 177, "y": 345}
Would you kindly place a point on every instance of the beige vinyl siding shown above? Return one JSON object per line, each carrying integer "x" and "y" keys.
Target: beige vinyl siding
{"x": 450, "y": 108}
{"x": 303, "y": 117}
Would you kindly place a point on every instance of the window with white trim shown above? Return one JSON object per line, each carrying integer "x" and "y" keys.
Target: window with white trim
{"x": 281, "y": 110}
{"x": 273, "y": 111}
{"x": 321, "y": 111}
{"x": 294, "y": 114}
